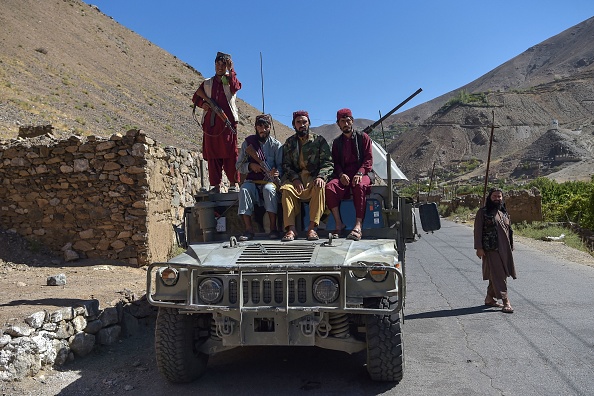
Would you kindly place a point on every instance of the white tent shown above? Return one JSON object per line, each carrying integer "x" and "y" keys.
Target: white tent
{"x": 379, "y": 163}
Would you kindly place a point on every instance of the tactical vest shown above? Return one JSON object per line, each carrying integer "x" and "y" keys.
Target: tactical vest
{"x": 489, "y": 239}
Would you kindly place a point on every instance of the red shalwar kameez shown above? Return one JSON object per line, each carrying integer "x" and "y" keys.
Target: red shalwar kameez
{"x": 350, "y": 165}
{"x": 219, "y": 146}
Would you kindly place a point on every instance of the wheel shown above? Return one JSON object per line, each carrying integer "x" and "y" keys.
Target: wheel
{"x": 385, "y": 352}
{"x": 177, "y": 337}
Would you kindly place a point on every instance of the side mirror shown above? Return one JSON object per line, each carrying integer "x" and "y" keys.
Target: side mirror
{"x": 429, "y": 217}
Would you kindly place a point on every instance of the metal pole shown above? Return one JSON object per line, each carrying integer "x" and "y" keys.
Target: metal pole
{"x": 383, "y": 136}
{"x": 390, "y": 183}
{"x": 489, "y": 159}
{"x": 430, "y": 183}
{"x": 262, "y": 78}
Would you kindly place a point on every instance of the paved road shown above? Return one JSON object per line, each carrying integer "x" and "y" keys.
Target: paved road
{"x": 453, "y": 344}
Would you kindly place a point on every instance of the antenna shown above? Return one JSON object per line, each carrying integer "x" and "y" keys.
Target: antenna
{"x": 262, "y": 78}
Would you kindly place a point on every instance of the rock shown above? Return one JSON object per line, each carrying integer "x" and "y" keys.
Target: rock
{"x": 19, "y": 330}
{"x": 93, "y": 326}
{"x": 82, "y": 343}
{"x": 91, "y": 308}
{"x": 79, "y": 323}
{"x": 109, "y": 316}
{"x": 36, "y": 320}
{"x": 70, "y": 255}
{"x": 108, "y": 335}
{"x": 4, "y": 339}
{"x": 62, "y": 351}
{"x": 56, "y": 280}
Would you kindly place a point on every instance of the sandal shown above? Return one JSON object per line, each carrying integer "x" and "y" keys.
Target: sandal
{"x": 312, "y": 235}
{"x": 289, "y": 236}
{"x": 507, "y": 308}
{"x": 247, "y": 236}
{"x": 355, "y": 235}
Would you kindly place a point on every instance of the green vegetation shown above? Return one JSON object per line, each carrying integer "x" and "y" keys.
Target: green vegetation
{"x": 542, "y": 230}
{"x": 567, "y": 202}
{"x": 463, "y": 98}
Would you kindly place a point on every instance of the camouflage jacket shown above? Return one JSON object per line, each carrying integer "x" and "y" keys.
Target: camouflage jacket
{"x": 316, "y": 153}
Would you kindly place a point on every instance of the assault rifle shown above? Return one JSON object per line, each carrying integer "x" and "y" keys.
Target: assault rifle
{"x": 216, "y": 108}
{"x": 389, "y": 113}
{"x": 268, "y": 172}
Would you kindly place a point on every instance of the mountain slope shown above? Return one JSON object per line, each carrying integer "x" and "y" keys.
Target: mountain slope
{"x": 63, "y": 62}
{"x": 549, "y": 87}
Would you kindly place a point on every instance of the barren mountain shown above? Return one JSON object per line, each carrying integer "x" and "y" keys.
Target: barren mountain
{"x": 543, "y": 106}
{"x": 65, "y": 63}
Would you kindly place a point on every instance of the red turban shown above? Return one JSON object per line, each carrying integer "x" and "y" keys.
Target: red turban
{"x": 300, "y": 113}
{"x": 343, "y": 113}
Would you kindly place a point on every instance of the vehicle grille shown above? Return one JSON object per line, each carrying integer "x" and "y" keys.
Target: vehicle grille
{"x": 268, "y": 253}
{"x": 266, "y": 278}
{"x": 259, "y": 289}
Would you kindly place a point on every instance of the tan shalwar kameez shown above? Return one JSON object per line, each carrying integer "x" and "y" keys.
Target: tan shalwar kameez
{"x": 291, "y": 199}
{"x": 498, "y": 264}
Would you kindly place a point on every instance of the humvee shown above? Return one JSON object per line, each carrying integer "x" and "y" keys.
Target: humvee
{"x": 337, "y": 294}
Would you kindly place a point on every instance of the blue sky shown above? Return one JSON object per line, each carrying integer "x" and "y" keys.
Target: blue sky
{"x": 323, "y": 55}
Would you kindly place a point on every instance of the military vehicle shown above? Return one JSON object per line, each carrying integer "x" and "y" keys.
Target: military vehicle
{"x": 337, "y": 294}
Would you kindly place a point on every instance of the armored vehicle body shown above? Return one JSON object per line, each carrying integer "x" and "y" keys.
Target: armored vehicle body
{"x": 333, "y": 293}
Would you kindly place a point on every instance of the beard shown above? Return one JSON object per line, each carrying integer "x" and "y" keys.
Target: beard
{"x": 262, "y": 139}
{"x": 494, "y": 205}
{"x": 302, "y": 133}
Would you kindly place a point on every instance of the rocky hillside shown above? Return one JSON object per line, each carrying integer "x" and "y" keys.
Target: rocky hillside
{"x": 65, "y": 63}
{"x": 542, "y": 102}
{"x": 543, "y": 106}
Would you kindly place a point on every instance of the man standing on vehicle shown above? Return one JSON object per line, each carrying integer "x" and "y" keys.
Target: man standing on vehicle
{"x": 216, "y": 96}
{"x": 261, "y": 173}
{"x": 353, "y": 160}
{"x": 307, "y": 165}
{"x": 493, "y": 241}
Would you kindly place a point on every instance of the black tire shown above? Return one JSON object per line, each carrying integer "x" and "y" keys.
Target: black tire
{"x": 176, "y": 341}
{"x": 385, "y": 352}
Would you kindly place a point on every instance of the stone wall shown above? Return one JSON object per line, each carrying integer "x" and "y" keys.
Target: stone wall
{"x": 115, "y": 198}
{"x": 52, "y": 338}
{"x": 522, "y": 205}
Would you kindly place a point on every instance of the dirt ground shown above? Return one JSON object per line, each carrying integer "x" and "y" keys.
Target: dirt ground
{"x": 23, "y": 280}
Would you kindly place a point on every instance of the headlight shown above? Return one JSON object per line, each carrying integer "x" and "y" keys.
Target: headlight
{"x": 325, "y": 289}
{"x": 169, "y": 276}
{"x": 360, "y": 272}
{"x": 210, "y": 290}
{"x": 378, "y": 275}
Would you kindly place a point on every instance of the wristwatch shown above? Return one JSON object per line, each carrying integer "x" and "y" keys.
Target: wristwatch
{"x": 359, "y": 174}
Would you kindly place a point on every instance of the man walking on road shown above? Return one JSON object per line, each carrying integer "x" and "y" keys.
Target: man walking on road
{"x": 493, "y": 241}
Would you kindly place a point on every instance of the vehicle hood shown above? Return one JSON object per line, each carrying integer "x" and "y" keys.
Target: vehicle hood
{"x": 270, "y": 254}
